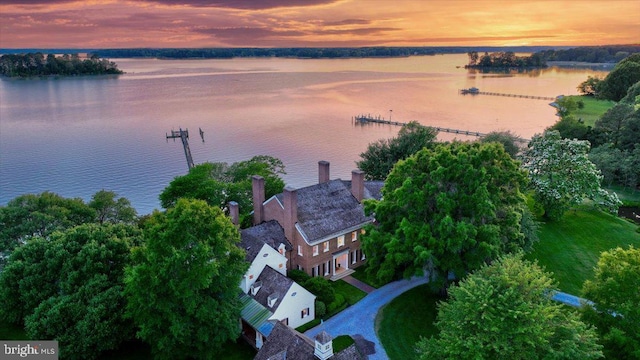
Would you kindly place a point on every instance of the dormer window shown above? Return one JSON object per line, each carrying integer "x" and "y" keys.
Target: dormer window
{"x": 281, "y": 249}
{"x": 256, "y": 287}
{"x": 271, "y": 300}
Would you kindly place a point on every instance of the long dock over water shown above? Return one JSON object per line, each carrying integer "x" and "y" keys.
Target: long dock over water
{"x": 368, "y": 119}
{"x": 379, "y": 120}
{"x": 470, "y": 92}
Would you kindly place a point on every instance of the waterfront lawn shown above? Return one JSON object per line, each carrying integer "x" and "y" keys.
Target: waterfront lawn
{"x": 593, "y": 109}
{"x": 407, "y": 318}
{"x": 570, "y": 248}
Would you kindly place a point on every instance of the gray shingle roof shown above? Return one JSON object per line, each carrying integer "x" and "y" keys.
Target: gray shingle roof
{"x": 270, "y": 233}
{"x": 285, "y": 341}
{"x": 327, "y": 209}
{"x": 273, "y": 283}
{"x": 372, "y": 189}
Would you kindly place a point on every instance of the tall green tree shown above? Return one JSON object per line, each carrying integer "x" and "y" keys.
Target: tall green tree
{"x": 383, "y": 154}
{"x": 503, "y": 311}
{"x": 620, "y": 79}
{"x": 183, "y": 290}
{"x": 110, "y": 208}
{"x": 219, "y": 183}
{"x": 39, "y": 215}
{"x": 70, "y": 287}
{"x": 590, "y": 86}
{"x": 616, "y": 296}
{"x": 508, "y": 140}
{"x": 562, "y": 175}
{"x": 447, "y": 211}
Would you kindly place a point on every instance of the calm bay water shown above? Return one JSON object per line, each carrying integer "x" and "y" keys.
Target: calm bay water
{"x": 75, "y": 136}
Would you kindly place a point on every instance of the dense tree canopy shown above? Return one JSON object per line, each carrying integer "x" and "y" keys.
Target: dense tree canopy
{"x": 382, "y": 155}
{"x": 447, "y": 211}
{"x": 620, "y": 79}
{"x": 591, "y": 54}
{"x": 616, "y": 296}
{"x": 32, "y": 215}
{"x": 110, "y": 209}
{"x": 503, "y": 311}
{"x": 220, "y": 183}
{"x": 562, "y": 175}
{"x": 508, "y": 140}
{"x": 36, "y": 64}
{"x": 70, "y": 288}
{"x": 183, "y": 290}
{"x": 504, "y": 59}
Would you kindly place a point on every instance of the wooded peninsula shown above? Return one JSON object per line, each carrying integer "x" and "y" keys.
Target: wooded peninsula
{"x": 36, "y": 64}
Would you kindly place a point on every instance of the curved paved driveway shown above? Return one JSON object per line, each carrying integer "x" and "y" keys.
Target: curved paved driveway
{"x": 359, "y": 319}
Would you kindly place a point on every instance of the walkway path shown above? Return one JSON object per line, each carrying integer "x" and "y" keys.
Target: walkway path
{"x": 359, "y": 284}
{"x": 359, "y": 319}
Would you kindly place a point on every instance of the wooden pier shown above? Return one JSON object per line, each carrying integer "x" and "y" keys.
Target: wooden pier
{"x": 184, "y": 136}
{"x": 468, "y": 92}
{"x": 368, "y": 119}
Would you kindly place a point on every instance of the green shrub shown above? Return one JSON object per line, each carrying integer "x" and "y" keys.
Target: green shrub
{"x": 321, "y": 288}
{"x": 298, "y": 276}
{"x": 321, "y": 309}
{"x": 337, "y": 303}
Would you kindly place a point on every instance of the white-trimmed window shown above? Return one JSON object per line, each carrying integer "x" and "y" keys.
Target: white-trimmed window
{"x": 315, "y": 250}
{"x": 354, "y": 236}
{"x": 340, "y": 240}
{"x": 300, "y": 250}
{"x": 325, "y": 246}
{"x": 363, "y": 256}
{"x": 304, "y": 313}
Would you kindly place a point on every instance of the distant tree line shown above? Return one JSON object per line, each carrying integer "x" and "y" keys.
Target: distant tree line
{"x": 591, "y": 54}
{"x": 502, "y": 60}
{"x": 37, "y": 64}
{"x": 304, "y": 52}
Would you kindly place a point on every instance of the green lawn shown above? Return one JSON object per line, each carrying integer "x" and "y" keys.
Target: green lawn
{"x": 402, "y": 322}
{"x": 593, "y": 109}
{"x": 570, "y": 248}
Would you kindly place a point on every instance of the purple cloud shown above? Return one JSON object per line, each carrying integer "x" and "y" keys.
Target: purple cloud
{"x": 243, "y": 4}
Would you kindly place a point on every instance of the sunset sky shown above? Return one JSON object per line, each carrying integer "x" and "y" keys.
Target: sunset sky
{"x": 315, "y": 23}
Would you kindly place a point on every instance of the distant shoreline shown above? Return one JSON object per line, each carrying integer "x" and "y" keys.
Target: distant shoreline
{"x": 581, "y": 64}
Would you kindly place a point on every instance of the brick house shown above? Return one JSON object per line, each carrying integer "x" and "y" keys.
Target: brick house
{"x": 322, "y": 222}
